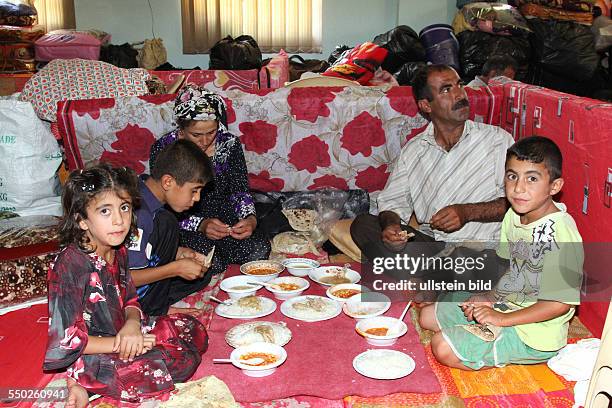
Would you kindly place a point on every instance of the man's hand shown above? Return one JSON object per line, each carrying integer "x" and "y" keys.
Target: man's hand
{"x": 189, "y": 268}
{"x": 449, "y": 219}
{"x": 214, "y": 229}
{"x": 391, "y": 234}
{"x": 244, "y": 228}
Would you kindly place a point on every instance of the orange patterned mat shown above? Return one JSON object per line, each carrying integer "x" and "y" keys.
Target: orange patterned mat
{"x": 517, "y": 386}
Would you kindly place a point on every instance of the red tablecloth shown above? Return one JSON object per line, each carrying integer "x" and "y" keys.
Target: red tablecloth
{"x": 320, "y": 359}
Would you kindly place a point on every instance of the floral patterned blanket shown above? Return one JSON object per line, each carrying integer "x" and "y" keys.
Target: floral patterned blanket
{"x": 294, "y": 139}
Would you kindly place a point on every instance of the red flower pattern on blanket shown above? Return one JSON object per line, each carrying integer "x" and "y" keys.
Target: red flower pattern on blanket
{"x": 372, "y": 178}
{"x": 310, "y": 153}
{"x": 258, "y": 136}
{"x": 310, "y": 103}
{"x": 131, "y": 148}
{"x": 363, "y": 133}
{"x": 399, "y": 102}
{"x": 92, "y": 107}
{"x": 263, "y": 182}
{"x": 329, "y": 181}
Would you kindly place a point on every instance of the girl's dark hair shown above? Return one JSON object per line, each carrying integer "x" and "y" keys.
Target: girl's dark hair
{"x": 83, "y": 186}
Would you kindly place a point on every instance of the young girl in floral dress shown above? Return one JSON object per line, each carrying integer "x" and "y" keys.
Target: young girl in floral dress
{"x": 97, "y": 330}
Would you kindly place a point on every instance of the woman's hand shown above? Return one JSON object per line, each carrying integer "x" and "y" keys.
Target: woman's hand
{"x": 244, "y": 228}
{"x": 214, "y": 229}
{"x": 129, "y": 341}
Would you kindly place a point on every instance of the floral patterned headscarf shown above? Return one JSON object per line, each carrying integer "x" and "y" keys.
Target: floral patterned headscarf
{"x": 196, "y": 103}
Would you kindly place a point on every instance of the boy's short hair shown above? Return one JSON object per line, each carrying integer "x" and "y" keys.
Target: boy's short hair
{"x": 499, "y": 63}
{"x": 184, "y": 161}
{"x": 538, "y": 149}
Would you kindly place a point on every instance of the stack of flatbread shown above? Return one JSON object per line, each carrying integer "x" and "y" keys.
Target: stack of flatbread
{"x": 301, "y": 219}
{"x": 297, "y": 243}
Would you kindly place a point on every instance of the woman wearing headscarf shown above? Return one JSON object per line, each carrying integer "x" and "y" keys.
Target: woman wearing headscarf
{"x": 225, "y": 215}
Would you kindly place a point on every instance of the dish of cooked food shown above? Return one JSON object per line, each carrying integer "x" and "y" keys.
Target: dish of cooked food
{"x": 267, "y": 358}
{"x": 261, "y": 271}
{"x": 345, "y": 293}
{"x": 246, "y": 308}
{"x": 378, "y": 331}
{"x": 288, "y": 286}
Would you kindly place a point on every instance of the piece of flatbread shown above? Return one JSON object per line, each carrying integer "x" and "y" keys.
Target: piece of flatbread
{"x": 205, "y": 260}
{"x": 208, "y": 257}
{"x": 301, "y": 219}
{"x": 484, "y": 332}
{"x": 207, "y": 392}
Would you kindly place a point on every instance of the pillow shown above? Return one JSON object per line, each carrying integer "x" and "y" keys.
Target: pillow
{"x": 80, "y": 79}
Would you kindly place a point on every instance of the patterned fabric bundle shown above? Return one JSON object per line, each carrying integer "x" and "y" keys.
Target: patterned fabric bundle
{"x": 80, "y": 79}
{"x": 494, "y": 18}
{"x": 550, "y": 13}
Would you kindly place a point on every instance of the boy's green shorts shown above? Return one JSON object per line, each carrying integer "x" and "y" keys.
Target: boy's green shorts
{"x": 476, "y": 353}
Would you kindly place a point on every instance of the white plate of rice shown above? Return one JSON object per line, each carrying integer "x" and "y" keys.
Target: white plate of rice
{"x": 384, "y": 364}
{"x": 310, "y": 308}
{"x": 250, "y": 307}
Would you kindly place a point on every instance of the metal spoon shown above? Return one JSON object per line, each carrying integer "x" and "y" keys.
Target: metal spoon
{"x": 227, "y": 302}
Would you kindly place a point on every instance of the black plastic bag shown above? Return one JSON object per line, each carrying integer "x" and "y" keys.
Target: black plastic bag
{"x": 298, "y": 65}
{"x": 122, "y": 56}
{"x": 403, "y": 45}
{"x": 337, "y": 53}
{"x": 476, "y": 47}
{"x": 235, "y": 53}
{"x": 564, "y": 48}
{"x": 407, "y": 72}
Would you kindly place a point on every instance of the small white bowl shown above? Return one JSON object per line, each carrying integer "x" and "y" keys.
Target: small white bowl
{"x": 249, "y": 268}
{"x": 329, "y": 271}
{"x": 288, "y": 294}
{"x": 260, "y": 347}
{"x": 366, "y": 305}
{"x": 300, "y": 266}
{"x": 232, "y": 286}
{"x": 381, "y": 321}
{"x": 341, "y": 287}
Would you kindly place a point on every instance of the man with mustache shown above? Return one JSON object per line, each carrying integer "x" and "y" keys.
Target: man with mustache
{"x": 450, "y": 177}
